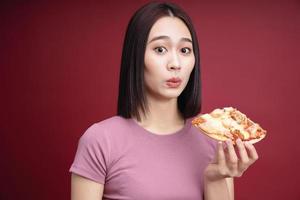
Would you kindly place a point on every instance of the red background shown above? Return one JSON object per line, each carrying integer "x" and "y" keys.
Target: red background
{"x": 59, "y": 74}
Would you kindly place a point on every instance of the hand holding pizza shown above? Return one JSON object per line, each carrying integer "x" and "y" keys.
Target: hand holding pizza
{"x": 229, "y": 125}
{"x": 231, "y": 161}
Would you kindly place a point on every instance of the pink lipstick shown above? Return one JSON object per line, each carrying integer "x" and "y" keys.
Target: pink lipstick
{"x": 174, "y": 82}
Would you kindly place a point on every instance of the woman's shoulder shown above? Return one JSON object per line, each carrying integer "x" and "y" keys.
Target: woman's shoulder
{"x": 112, "y": 123}
{"x": 107, "y": 126}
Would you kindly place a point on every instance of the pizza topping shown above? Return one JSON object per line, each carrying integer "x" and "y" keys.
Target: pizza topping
{"x": 217, "y": 113}
{"x": 237, "y": 134}
{"x": 238, "y": 117}
{"x": 229, "y": 123}
{"x": 199, "y": 120}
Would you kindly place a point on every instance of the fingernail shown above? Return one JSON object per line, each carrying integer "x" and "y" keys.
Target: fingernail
{"x": 228, "y": 142}
{"x": 239, "y": 141}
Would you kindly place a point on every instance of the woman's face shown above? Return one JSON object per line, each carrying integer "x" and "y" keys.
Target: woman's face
{"x": 169, "y": 58}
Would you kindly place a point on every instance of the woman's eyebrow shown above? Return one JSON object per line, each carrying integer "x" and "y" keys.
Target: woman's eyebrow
{"x": 164, "y": 37}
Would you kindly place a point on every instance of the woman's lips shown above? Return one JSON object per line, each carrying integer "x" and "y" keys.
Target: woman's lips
{"x": 174, "y": 82}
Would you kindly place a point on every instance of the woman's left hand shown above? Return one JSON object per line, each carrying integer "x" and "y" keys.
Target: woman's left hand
{"x": 228, "y": 163}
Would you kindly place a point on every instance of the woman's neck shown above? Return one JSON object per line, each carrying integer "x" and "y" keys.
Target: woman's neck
{"x": 163, "y": 116}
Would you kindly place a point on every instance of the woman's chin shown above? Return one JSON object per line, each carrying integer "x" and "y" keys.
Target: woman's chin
{"x": 166, "y": 94}
{"x": 172, "y": 94}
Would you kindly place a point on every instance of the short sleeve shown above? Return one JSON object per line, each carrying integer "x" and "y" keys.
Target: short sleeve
{"x": 214, "y": 144}
{"x": 92, "y": 155}
{"x": 213, "y": 148}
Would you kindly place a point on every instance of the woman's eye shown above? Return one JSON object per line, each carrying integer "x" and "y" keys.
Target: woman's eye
{"x": 186, "y": 50}
{"x": 160, "y": 50}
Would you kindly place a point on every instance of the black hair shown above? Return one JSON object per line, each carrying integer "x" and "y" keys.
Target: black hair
{"x": 131, "y": 84}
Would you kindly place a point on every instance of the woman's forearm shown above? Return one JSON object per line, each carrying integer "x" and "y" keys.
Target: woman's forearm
{"x": 217, "y": 190}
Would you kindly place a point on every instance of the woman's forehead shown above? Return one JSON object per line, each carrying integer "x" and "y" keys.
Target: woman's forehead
{"x": 172, "y": 28}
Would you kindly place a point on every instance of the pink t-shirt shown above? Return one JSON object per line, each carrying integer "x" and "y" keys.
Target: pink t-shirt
{"x": 134, "y": 163}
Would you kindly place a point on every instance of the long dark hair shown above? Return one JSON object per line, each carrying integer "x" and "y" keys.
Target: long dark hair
{"x": 131, "y": 85}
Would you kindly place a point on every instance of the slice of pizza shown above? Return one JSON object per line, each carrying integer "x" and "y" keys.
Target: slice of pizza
{"x": 229, "y": 123}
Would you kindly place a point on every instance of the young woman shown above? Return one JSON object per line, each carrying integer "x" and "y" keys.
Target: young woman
{"x": 150, "y": 150}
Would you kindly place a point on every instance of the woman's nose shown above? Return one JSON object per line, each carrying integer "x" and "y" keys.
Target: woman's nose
{"x": 174, "y": 63}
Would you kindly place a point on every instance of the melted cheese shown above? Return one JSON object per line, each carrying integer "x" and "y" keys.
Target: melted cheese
{"x": 228, "y": 122}
{"x": 220, "y": 121}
